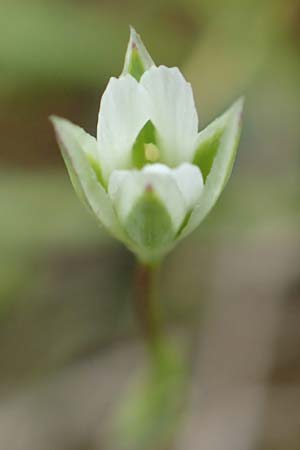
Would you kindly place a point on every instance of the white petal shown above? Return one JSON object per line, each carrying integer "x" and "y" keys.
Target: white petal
{"x": 127, "y": 186}
{"x": 190, "y": 182}
{"x": 123, "y": 112}
{"x": 157, "y": 169}
{"x": 75, "y": 145}
{"x": 221, "y": 168}
{"x": 173, "y": 113}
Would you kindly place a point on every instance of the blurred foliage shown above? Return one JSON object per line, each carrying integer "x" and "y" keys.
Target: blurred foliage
{"x": 64, "y": 285}
{"x": 68, "y": 43}
{"x": 150, "y": 414}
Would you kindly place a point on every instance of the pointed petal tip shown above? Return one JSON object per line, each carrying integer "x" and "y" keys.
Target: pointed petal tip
{"x": 239, "y": 104}
{"x": 137, "y": 54}
{"x": 134, "y": 38}
{"x": 239, "y": 109}
{"x": 132, "y": 30}
{"x": 53, "y": 119}
{"x": 60, "y": 126}
{"x": 57, "y": 121}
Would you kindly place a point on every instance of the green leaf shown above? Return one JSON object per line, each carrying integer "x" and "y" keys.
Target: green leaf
{"x": 223, "y": 159}
{"x": 137, "y": 59}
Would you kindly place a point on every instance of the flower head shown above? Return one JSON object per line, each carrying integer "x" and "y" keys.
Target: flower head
{"x": 150, "y": 177}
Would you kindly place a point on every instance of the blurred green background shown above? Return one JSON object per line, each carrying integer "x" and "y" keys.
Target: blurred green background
{"x": 68, "y": 339}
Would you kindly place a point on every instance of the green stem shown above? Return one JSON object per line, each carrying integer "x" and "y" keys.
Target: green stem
{"x": 157, "y": 413}
{"x": 147, "y": 308}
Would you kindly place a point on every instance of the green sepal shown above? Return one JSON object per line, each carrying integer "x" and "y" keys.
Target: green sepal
{"x": 77, "y": 148}
{"x": 75, "y": 181}
{"x": 97, "y": 169}
{"x": 137, "y": 59}
{"x": 149, "y": 224}
{"x": 136, "y": 67}
{"x": 228, "y": 127}
{"x": 206, "y": 152}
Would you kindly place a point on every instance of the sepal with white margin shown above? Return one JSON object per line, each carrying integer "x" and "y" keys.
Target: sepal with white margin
{"x": 79, "y": 151}
{"x": 215, "y": 155}
{"x": 153, "y": 203}
{"x": 137, "y": 59}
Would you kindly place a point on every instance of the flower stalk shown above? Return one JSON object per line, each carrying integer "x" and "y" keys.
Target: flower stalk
{"x": 148, "y": 309}
{"x": 146, "y": 301}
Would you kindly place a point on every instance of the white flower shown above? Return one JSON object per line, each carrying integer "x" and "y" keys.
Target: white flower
{"x": 150, "y": 177}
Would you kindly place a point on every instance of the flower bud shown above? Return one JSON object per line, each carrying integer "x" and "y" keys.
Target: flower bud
{"x": 150, "y": 177}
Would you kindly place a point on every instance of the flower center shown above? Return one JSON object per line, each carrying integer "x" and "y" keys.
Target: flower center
{"x": 152, "y": 153}
{"x": 145, "y": 150}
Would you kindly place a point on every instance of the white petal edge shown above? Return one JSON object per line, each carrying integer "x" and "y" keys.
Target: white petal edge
{"x": 75, "y": 143}
{"x": 190, "y": 182}
{"x": 221, "y": 168}
{"x": 123, "y": 113}
{"x": 135, "y": 41}
{"x": 188, "y": 178}
{"x": 173, "y": 113}
{"x": 127, "y": 186}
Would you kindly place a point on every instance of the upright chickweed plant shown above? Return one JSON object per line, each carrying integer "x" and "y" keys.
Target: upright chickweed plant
{"x": 150, "y": 178}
